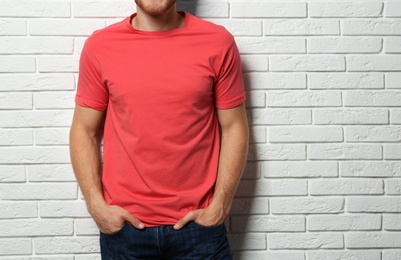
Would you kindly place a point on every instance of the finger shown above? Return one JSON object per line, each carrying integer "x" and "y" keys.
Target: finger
{"x": 133, "y": 220}
{"x": 190, "y": 216}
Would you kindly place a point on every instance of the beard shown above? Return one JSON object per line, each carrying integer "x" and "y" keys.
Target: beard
{"x": 155, "y": 7}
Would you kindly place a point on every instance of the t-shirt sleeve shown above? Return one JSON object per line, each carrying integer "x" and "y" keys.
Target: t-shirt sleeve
{"x": 229, "y": 88}
{"x": 91, "y": 91}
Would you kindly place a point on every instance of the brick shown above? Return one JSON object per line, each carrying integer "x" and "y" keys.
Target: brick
{"x": 66, "y": 245}
{"x": 240, "y": 27}
{"x": 19, "y": 209}
{"x": 391, "y": 254}
{"x": 79, "y": 43}
{"x": 254, "y": 63}
{"x": 344, "y": 45}
{"x": 392, "y": 151}
{"x": 301, "y": 27}
{"x": 307, "y": 63}
{"x": 370, "y": 169}
{"x": 36, "y": 227}
{"x": 58, "y": 63}
{"x": 259, "y": 80}
{"x": 373, "y": 240}
{"x": 345, "y": 9}
{"x": 215, "y": 10}
{"x": 276, "y": 152}
{"x": 12, "y": 27}
{"x": 13, "y": 173}
{"x": 38, "y": 191}
{"x": 346, "y": 187}
{"x": 344, "y": 255}
{"x": 393, "y": 80}
{"x": 374, "y": 63}
{"x": 257, "y": 135}
{"x": 101, "y": 9}
{"x": 85, "y": 227}
{"x": 250, "y": 241}
{"x": 251, "y": 188}
{"x": 306, "y": 205}
{"x": 305, "y": 241}
{"x": 36, "y": 45}
{"x": 280, "y": 116}
{"x": 371, "y": 27}
{"x": 393, "y": 186}
{"x": 35, "y": 119}
{"x": 352, "y": 116}
{"x": 12, "y": 246}
{"x": 372, "y": 98}
{"x": 373, "y": 134}
{"x": 308, "y": 169}
{"x": 392, "y": 9}
{"x": 64, "y": 27}
{"x": 33, "y": 82}
{"x": 255, "y": 99}
{"x": 257, "y": 255}
{"x": 63, "y": 209}
{"x": 52, "y": 100}
{"x": 54, "y": 257}
{"x": 256, "y": 205}
{"x": 23, "y": 8}
{"x": 303, "y": 98}
{"x": 49, "y": 173}
{"x": 258, "y": 45}
{"x": 16, "y": 137}
{"x": 392, "y": 222}
{"x": 54, "y": 136}
{"x": 392, "y": 44}
{"x": 345, "y": 80}
{"x": 344, "y": 151}
{"x": 395, "y": 116}
{"x": 17, "y": 64}
{"x": 15, "y": 101}
{"x": 296, "y": 134}
{"x": 268, "y": 224}
{"x": 27, "y": 155}
{"x": 344, "y": 222}
{"x": 373, "y": 204}
{"x": 252, "y": 170}
{"x": 268, "y": 10}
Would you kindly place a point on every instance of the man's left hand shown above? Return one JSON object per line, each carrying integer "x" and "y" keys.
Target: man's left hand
{"x": 206, "y": 217}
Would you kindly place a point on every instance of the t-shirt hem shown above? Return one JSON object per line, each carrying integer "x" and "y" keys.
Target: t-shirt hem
{"x": 90, "y": 104}
{"x": 231, "y": 103}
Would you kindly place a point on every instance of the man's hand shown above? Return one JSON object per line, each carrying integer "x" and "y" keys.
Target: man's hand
{"x": 210, "y": 216}
{"x": 111, "y": 218}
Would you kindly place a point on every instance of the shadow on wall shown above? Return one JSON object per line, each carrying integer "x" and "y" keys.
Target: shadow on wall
{"x": 187, "y": 5}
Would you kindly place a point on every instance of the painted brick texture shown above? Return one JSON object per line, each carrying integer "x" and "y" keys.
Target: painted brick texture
{"x": 323, "y": 81}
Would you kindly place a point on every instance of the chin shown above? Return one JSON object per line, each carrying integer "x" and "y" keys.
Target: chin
{"x": 155, "y": 7}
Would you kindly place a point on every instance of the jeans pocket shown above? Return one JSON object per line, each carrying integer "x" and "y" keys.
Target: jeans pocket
{"x": 116, "y": 233}
{"x": 207, "y": 227}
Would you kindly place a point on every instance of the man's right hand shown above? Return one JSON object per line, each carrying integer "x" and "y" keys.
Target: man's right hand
{"x": 110, "y": 218}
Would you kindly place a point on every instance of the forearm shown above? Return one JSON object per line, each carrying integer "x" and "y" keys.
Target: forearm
{"x": 86, "y": 162}
{"x": 233, "y": 153}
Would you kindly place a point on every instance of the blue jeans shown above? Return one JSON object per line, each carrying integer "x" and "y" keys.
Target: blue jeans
{"x": 163, "y": 242}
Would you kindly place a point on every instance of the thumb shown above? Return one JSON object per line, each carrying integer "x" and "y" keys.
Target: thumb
{"x": 133, "y": 220}
{"x": 190, "y": 216}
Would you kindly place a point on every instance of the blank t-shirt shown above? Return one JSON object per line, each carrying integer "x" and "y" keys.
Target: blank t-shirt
{"x": 160, "y": 91}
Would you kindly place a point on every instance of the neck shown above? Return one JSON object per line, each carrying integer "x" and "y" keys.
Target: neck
{"x": 166, "y": 21}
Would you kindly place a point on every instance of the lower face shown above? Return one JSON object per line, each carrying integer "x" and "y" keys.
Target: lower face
{"x": 155, "y": 7}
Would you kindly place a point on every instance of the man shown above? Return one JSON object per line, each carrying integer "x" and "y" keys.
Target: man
{"x": 175, "y": 135}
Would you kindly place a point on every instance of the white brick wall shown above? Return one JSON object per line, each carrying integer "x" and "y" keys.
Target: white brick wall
{"x": 323, "y": 79}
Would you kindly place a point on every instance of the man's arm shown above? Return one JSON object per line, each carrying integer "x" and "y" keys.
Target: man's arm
{"x": 85, "y": 158}
{"x": 233, "y": 152}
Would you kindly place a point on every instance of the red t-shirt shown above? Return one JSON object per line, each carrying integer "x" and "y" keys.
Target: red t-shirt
{"x": 161, "y": 91}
